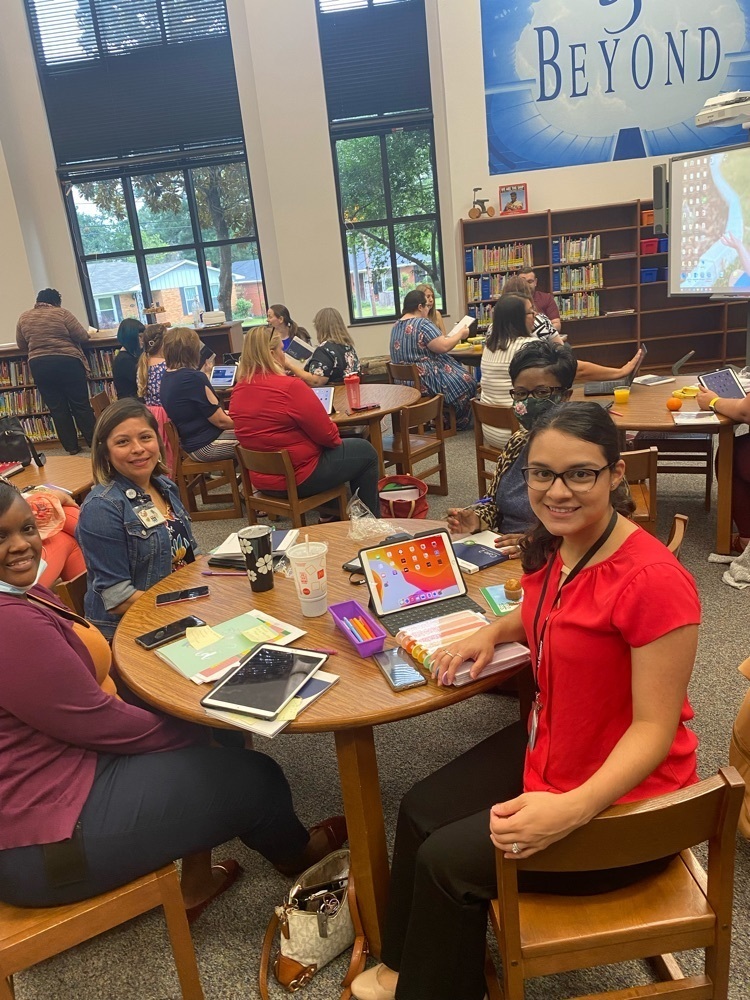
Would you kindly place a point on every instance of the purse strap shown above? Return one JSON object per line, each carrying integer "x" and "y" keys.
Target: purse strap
{"x": 265, "y": 956}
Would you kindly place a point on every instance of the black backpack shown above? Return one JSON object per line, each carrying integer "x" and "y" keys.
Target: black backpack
{"x": 15, "y": 446}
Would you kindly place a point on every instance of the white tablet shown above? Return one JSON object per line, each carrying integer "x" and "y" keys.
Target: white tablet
{"x": 325, "y": 395}
{"x": 724, "y": 383}
{"x": 266, "y": 680}
{"x": 223, "y": 376}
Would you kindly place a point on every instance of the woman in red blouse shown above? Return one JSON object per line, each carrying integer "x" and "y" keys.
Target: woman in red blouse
{"x": 611, "y": 619}
{"x": 273, "y": 412}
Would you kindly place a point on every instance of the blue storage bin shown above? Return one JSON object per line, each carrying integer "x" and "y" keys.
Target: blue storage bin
{"x": 649, "y": 274}
{"x": 663, "y": 244}
{"x": 663, "y": 274}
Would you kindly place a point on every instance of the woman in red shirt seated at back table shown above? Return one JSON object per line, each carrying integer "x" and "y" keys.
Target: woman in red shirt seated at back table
{"x": 272, "y": 412}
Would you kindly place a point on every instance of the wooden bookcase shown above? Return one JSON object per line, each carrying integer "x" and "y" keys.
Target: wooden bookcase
{"x": 670, "y": 327}
{"x": 19, "y": 396}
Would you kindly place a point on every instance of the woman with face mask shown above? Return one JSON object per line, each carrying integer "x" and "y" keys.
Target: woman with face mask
{"x": 542, "y": 375}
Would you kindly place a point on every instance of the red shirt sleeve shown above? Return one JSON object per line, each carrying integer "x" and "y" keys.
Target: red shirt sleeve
{"x": 306, "y": 411}
{"x": 641, "y": 619}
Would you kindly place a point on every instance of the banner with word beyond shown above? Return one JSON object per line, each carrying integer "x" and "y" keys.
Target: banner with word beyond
{"x": 569, "y": 82}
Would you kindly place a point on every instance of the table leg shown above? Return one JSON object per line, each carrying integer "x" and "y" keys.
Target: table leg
{"x": 360, "y": 788}
{"x": 724, "y": 484}
{"x": 376, "y": 440}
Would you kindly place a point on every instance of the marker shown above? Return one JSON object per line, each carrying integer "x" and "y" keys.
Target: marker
{"x": 363, "y": 633}
{"x": 351, "y": 630}
{"x": 616, "y": 413}
{"x": 328, "y": 652}
{"x": 231, "y": 572}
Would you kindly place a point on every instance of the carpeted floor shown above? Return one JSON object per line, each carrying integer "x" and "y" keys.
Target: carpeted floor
{"x": 134, "y": 961}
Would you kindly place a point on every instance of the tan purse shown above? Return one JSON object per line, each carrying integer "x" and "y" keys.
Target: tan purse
{"x": 312, "y": 937}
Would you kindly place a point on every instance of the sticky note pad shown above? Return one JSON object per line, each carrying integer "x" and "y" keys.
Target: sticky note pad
{"x": 261, "y": 633}
{"x": 290, "y": 712}
{"x": 201, "y": 637}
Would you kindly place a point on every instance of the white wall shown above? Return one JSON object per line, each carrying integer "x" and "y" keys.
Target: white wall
{"x": 283, "y": 105}
{"x": 16, "y": 287}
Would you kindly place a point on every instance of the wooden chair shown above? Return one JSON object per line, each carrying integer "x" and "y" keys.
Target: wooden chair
{"x": 682, "y": 454}
{"x": 73, "y": 592}
{"x": 193, "y": 481}
{"x": 677, "y": 534}
{"x": 499, "y": 417}
{"x": 401, "y": 373}
{"x": 640, "y": 472}
{"x": 405, "y": 449}
{"x": 29, "y": 936}
{"x": 278, "y": 463}
{"x": 680, "y": 908}
{"x": 99, "y": 403}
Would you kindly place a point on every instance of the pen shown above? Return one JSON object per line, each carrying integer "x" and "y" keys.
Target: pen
{"x": 328, "y": 652}
{"x": 616, "y": 413}
{"x": 231, "y": 572}
{"x": 477, "y": 503}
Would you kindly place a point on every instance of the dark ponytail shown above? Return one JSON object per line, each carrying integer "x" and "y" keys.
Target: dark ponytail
{"x": 587, "y": 422}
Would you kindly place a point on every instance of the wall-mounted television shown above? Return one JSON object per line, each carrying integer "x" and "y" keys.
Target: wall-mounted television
{"x": 709, "y": 223}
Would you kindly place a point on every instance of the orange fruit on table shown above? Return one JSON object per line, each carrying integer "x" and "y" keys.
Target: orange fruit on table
{"x": 673, "y": 403}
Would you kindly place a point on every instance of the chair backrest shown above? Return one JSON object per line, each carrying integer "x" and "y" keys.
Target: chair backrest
{"x": 398, "y": 373}
{"x": 270, "y": 463}
{"x": 424, "y": 412}
{"x": 72, "y": 592}
{"x": 99, "y": 403}
{"x": 500, "y": 417}
{"x": 640, "y": 466}
{"x": 677, "y": 534}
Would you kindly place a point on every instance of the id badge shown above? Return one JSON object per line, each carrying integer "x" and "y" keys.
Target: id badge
{"x": 149, "y": 515}
{"x": 535, "y": 709}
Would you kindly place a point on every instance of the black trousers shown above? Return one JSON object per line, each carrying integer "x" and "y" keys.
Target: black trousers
{"x": 146, "y": 810}
{"x": 443, "y": 872}
{"x": 354, "y": 461}
{"x": 61, "y": 380}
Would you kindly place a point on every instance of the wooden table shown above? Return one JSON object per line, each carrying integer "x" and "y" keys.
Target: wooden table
{"x": 361, "y": 700}
{"x": 71, "y": 472}
{"x": 390, "y": 399}
{"x": 470, "y": 356}
{"x": 646, "y": 410}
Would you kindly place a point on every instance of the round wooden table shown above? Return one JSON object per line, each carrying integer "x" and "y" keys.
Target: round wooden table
{"x": 390, "y": 399}
{"x": 70, "y": 472}
{"x": 361, "y": 700}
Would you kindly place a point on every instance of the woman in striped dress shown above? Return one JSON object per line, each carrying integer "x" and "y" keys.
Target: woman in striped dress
{"x": 417, "y": 341}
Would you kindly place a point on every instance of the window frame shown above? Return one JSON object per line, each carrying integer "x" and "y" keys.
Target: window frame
{"x": 382, "y": 129}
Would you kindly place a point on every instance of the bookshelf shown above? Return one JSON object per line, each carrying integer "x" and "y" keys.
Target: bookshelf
{"x": 594, "y": 261}
{"x": 19, "y": 397}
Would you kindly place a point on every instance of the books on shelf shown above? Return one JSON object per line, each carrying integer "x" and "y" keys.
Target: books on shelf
{"x": 574, "y": 249}
{"x": 500, "y": 257}
{"x": 321, "y": 682}
{"x": 579, "y": 305}
{"x": 204, "y": 661}
{"x": 577, "y": 279}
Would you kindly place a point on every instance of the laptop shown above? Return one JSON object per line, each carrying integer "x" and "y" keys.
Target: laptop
{"x": 414, "y": 579}
{"x": 608, "y": 387}
{"x": 223, "y": 376}
{"x": 325, "y": 395}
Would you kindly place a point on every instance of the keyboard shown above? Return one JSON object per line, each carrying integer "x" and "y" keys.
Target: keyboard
{"x": 600, "y": 388}
{"x": 423, "y": 612}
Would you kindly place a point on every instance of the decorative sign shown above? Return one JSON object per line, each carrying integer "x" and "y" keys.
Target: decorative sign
{"x": 597, "y": 80}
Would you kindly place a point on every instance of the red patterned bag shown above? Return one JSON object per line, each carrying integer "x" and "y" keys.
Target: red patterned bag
{"x": 403, "y": 508}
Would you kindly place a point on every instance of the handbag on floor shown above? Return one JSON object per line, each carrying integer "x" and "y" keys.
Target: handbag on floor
{"x": 15, "y": 446}
{"x": 393, "y": 506}
{"x": 318, "y": 920}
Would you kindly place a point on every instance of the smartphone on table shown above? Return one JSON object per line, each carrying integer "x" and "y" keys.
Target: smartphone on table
{"x": 399, "y": 670}
{"x": 150, "y": 640}
{"x": 190, "y": 594}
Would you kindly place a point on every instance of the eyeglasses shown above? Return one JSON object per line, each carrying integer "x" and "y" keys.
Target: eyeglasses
{"x": 577, "y": 480}
{"x": 543, "y": 392}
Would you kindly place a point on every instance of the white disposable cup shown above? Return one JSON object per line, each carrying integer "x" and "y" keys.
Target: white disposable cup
{"x": 308, "y": 562}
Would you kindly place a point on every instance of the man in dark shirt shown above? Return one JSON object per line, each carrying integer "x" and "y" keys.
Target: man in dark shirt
{"x": 544, "y": 302}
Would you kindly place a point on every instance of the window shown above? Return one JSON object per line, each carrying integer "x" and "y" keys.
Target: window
{"x": 150, "y": 153}
{"x": 108, "y": 312}
{"x": 380, "y": 120}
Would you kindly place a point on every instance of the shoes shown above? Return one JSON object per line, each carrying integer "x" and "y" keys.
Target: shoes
{"x": 233, "y": 870}
{"x": 737, "y": 544}
{"x": 325, "y": 837}
{"x": 366, "y": 986}
{"x": 76, "y": 452}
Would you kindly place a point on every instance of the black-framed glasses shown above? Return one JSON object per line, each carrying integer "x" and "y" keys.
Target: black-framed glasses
{"x": 543, "y": 392}
{"x": 577, "y": 480}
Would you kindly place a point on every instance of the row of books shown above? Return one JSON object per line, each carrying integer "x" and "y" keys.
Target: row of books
{"x": 482, "y": 313}
{"x": 579, "y": 305}
{"x": 487, "y": 286}
{"x": 100, "y": 362}
{"x": 577, "y": 279}
{"x": 17, "y": 372}
{"x": 503, "y": 257}
{"x": 23, "y": 401}
{"x": 14, "y": 373}
{"x": 39, "y": 428}
{"x": 102, "y": 385}
{"x": 573, "y": 249}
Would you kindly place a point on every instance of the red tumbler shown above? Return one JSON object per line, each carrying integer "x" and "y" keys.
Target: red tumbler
{"x": 352, "y": 391}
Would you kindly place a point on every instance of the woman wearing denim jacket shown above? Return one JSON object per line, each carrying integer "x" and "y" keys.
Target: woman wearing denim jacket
{"x": 133, "y": 529}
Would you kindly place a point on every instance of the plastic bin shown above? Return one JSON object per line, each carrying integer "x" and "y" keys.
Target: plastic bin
{"x": 663, "y": 274}
{"x": 353, "y": 609}
{"x": 650, "y": 246}
{"x": 649, "y": 274}
{"x": 663, "y": 244}
{"x": 647, "y": 217}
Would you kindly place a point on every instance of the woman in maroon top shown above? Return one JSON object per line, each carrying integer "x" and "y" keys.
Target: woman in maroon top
{"x": 611, "y": 619}
{"x": 95, "y": 792}
{"x": 274, "y": 412}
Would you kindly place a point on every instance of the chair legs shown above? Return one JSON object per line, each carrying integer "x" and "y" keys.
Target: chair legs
{"x": 179, "y": 934}
{"x": 6, "y": 988}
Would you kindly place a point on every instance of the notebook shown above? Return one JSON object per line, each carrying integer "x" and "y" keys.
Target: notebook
{"x": 608, "y": 387}
{"x": 414, "y": 579}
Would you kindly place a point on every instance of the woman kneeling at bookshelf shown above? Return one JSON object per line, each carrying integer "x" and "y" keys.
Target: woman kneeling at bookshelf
{"x": 97, "y": 792}
{"x": 611, "y": 619}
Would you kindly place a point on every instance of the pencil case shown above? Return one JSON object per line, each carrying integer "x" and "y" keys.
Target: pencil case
{"x": 353, "y": 609}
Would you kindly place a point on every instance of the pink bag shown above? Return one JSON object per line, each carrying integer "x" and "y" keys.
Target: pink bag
{"x": 403, "y": 508}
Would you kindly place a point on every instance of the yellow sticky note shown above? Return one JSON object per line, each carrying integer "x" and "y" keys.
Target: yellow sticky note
{"x": 290, "y": 712}
{"x": 261, "y": 633}
{"x": 201, "y": 637}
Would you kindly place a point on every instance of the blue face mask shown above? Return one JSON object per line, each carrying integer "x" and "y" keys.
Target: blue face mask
{"x": 8, "y": 588}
